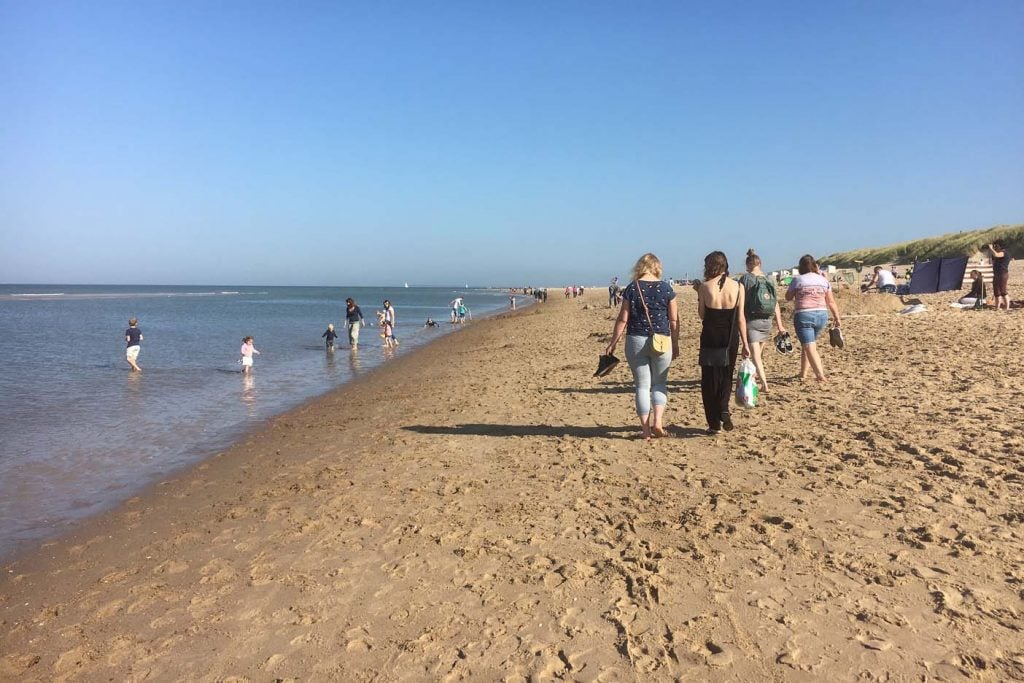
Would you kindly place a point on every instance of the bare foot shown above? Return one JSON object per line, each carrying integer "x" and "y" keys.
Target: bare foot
{"x": 660, "y": 432}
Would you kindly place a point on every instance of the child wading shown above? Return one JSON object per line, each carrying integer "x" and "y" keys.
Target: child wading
{"x": 330, "y": 335}
{"x": 133, "y": 336}
{"x": 247, "y": 350}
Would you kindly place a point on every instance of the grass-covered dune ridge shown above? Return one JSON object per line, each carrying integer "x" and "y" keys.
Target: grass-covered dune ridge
{"x": 966, "y": 243}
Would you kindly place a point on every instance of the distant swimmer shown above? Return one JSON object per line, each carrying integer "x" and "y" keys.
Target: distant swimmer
{"x": 133, "y": 336}
{"x": 431, "y": 323}
{"x": 354, "y": 320}
{"x": 330, "y": 335}
{"x": 248, "y": 348}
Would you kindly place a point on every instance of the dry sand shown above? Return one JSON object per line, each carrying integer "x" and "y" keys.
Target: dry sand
{"x": 480, "y": 509}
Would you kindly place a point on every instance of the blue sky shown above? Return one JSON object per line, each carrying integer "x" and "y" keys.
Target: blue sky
{"x": 493, "y": 143}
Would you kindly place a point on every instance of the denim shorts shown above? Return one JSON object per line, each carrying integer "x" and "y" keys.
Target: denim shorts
{"x": 809, "y": 324}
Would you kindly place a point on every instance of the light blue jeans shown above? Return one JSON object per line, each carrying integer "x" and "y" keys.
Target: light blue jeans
{"x": 650, "y": 373}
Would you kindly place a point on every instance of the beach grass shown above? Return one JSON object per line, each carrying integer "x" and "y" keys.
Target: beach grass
{"x": 963, "y": 243}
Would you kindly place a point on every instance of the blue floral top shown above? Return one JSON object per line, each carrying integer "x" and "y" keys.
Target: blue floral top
{"x": 656, "y": 294}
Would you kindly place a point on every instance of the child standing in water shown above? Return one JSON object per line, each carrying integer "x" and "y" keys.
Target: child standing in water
{"x": 133, "y": 336}
{"x": 247, "y": 350}
{"x": 330, "y": 335}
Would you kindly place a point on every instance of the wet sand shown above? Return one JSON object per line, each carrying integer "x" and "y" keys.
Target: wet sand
{"x": 480, "y": 509}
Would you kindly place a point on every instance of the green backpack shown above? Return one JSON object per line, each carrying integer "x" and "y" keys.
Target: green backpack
{"x": 761, "y": 297}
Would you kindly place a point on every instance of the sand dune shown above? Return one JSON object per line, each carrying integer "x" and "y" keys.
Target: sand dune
{"x": 481, "y": 509}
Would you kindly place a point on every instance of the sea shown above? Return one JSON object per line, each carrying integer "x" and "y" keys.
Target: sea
{"x": 80, "y": 433}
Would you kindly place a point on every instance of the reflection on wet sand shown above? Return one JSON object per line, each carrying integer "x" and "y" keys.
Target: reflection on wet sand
{"x": 249, "y": 393}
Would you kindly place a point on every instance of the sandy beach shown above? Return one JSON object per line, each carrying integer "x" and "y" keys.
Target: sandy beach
{"x": 481, "y": 509}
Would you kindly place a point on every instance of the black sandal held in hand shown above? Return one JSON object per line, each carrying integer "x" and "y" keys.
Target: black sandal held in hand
{"x": 605, "y": 364}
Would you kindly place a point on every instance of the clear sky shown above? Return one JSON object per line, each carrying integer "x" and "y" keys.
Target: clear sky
{"x": 231, "y": 142}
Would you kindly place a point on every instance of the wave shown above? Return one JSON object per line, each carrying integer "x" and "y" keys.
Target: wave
{"x": 108, "y": 295}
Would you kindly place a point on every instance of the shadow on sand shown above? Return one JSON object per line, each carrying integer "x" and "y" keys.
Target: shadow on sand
{"x": 596, "y": 432}
{"x": 621, "y": 387}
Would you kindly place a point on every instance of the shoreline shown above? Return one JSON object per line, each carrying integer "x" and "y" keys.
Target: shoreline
{"x": 99, "y": 523}
{"x": 481, "y": 509}
{"x": 25, "y": 539}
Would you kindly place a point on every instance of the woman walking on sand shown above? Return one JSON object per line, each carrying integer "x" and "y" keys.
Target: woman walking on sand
{"x": 813, "y": 299}
{"x": 723, "y": 327}
{"x": 648, "y": 308}
{"x": 760, "y": 308}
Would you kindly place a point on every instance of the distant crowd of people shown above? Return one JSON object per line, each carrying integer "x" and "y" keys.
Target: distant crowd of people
{"x": 354, "y": 322}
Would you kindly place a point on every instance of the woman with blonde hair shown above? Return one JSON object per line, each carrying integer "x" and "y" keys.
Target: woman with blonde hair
{"x": 648, "y": 309}
{"x": 760, "y": 309}
{"x": 813, "y": 300}
{"x": 724, "y": 326}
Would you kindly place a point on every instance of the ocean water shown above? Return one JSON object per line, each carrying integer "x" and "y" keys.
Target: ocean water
{"x": 79, "y": 432}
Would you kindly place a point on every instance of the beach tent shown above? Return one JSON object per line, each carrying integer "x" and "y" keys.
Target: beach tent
{"x": 938, "y": 275}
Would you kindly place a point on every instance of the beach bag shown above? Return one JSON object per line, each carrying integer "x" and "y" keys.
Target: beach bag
{"x": 746, "y": 384}
{"x": 761, "y": 298}
{"x": 660, "y": 343}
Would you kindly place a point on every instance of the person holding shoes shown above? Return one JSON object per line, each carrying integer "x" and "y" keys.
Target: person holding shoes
{"x": 648, "y": 308}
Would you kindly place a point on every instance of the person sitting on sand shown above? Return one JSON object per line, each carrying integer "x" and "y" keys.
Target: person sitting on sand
{"x": 883, "y": 280}
{"x": 813, "y": 297}
{"x": 759, "y": 314}
{"x": 648, "y": 308}
{"x": 977, "y": 292}
{"x": 723, "y": 322}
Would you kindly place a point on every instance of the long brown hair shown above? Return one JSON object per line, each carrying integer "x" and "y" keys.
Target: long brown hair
{"x": 716, "y": 263}
{"x": 807, "y": 265}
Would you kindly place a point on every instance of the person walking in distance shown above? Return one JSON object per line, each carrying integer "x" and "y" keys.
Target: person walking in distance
{"x": 761, "y": 309}
{"x": 133, "y": 336}
{"x": 390, "y": 321}
{"x": 812, "y": 296}
{"x": 353, "y": 320}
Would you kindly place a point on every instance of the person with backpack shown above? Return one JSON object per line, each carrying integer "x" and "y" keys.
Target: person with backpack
{"x": 761, "y": 307}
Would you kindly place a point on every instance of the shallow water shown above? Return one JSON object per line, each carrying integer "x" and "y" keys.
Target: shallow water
{"x": 80, "y": 433}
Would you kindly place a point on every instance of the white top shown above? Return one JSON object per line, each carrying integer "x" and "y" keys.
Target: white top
{"x": 886, "y": 278}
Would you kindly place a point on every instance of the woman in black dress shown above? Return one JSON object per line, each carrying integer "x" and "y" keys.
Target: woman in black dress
{"x": 724, "y": 328}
